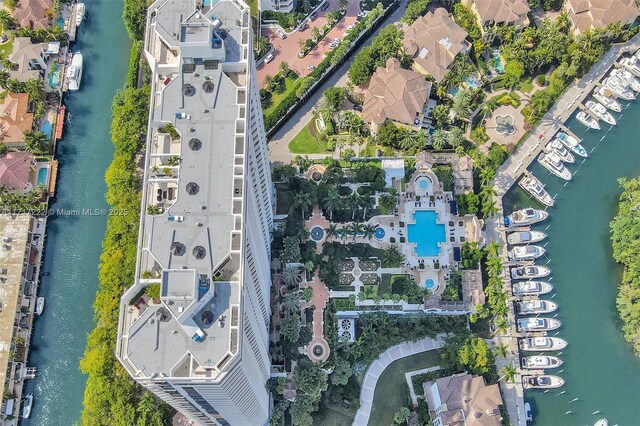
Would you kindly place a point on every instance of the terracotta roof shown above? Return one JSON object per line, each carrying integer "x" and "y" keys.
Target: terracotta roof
{"x": 23, "y": 52}
{"x": 31, "y": 13}
{"x": 465, "y": 400}
{"x": 15, "y": 168}
{"x": 395, "y": 93}
{"x": 501, "y": 11}
{"x": 434, "y": 40}
{"x": 590, "y": 14}
{"x": 14, "y": 118}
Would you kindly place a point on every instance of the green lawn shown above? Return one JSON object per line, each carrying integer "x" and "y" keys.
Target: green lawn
{"x": 284, "y": 199}
{"x": 305, "y": 142}
{"x": 392, "y": 392}
{"x": 276, "y": 98}
{"x": 526, "y": 85}
{"x": 5, "y": 49}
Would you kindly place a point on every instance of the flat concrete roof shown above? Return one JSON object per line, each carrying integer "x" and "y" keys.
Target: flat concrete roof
{"x": 14, "y": 235}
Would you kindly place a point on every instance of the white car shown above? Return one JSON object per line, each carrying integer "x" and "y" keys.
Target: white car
{"x": 337, "y": 41}
{"x": 268, "y": 58}
{"x": 281, "y": 34}
{"x": 311, "y": 67}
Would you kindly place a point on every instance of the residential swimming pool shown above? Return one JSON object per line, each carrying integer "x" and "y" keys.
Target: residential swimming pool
{"x": 46, "y": 128}
{"x": 423, "y": 183}
{"x": 379, "y": 233}
{"x": 426, "y": 233}
{"x": 497, "y": 63}
{"x": 430, "y": 284}
{"x": 42, "y": 176}
{"x": 54, "y": 76}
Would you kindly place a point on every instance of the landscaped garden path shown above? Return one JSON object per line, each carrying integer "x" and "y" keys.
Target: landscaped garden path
{"x": 318, "y": 348}
{"x": 376, "y": 369}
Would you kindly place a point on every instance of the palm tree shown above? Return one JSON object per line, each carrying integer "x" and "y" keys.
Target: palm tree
{"x": 332, "y": 201}
{"x": 284, "y": 68}
{"x": 366, "y": 202}
{"x": 36, "y": 141}
{"x": 302, "y": 43}
{"x": 6, "y": 20}
{"x": 353, "y": 201}
{"x": 291, "y": 276}
{"x": 35, "y": 89}
{"x": 509, "y": 373}
{"x": 439, "y": 139}
{"x": 455, "y": 137}
{"x": 262, "y": 45}
{"x": 409, "y": 140}
{"x": 393, "y": 257}
{"x": 4, "y": 78}
{"x": 268, "y": 81}
{"x": 502, "y": 326}
{"x": 462, "y": 104}
{"x": 291, "y": 303}
{"x": 303, "y": 200}
{"x": 368, "y": 231}
{"x": 501, "y": 350}
{"x": 486, "y": 174}
{"x": 331, "y": 231}
{"x": 315, "y": 34}
{"x": 355, "y": 229}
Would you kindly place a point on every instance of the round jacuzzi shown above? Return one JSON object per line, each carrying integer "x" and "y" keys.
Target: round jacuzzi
{"x": 430, "y": 284}
{"x": 379, "y": 233}
{"x": 317, "y": 233}
{"x": 423, "y": 183}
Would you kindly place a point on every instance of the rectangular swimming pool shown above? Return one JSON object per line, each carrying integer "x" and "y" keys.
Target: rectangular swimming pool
{"x": 42, "y": 176}
{"x": 426, "y": 233}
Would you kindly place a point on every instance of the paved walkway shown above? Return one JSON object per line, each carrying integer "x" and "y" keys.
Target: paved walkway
{"x": 374, "y": 371}
{"x": 319, "y": 301}
{"x": 408, "y": 378}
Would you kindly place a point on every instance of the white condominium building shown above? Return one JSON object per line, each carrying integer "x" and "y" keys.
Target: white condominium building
{"x": 194, "y": 326}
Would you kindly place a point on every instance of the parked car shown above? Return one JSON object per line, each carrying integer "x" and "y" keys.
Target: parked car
{"x": 5, "y": 38}
{"x": 357, "y": 107}
{"x": 313, "y": 15}
{"x": 311, "y": 67}
{"x": 281, "y": 34}
{"x": 363, "y": 13}
{"x": 337, "y": 41}
{"x": 268, "y": 58}
{"x": 325, "y": 6}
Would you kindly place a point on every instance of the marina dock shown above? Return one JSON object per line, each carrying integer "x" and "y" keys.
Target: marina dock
{"x": 509, "y": 173}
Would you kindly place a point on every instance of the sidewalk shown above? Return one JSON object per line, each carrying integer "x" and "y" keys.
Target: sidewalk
{"x": 376, "y": 368}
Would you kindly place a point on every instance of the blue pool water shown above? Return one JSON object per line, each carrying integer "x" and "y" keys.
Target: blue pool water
{"x": 54, "y": 76}
{"x": 379, "y": 233}
{"x": 472, "y": 82}
{"x": 317, "y": 233}
{"x": 60, "y": 23}
{"x": 46, "y": 128}
{"x": 497, "y": 62}
{"x": 429, "y": 284}
{"x": 42, "y": 176}
{"x": 426, "y": 233}
{"x": 423, "y": 183}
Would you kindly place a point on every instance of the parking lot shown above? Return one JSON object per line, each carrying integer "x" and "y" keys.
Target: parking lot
{"x": 287, "y": 49}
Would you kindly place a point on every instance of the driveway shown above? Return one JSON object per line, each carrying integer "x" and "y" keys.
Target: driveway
{"x": 287, "y": 50}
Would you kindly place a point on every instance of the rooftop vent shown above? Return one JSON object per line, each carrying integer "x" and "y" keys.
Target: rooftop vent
{"x": 178, "y": 249}
{"x": 192, "y": 188}
{"x": 199, "y": 252}
{"x": 188, "y": 90}
{"x": 208, "y": 86}
{"x": 195, "y": 144}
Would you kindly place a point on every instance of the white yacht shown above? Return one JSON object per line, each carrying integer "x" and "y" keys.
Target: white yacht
{"x": 531, "y": 288}
{"x": 543, "y": 344}
{"x": 540, "y": 362}
{"x": 588, "y": 120}
{"x": 545, "y": 381}
{"x": 619, "y": 89}
{"x": 528, "y": 252}
{"x": 80, "y": 11}
{"x": 534, "y": 307}
{"x": 74, "y": 72}
{"x": 601, "y": 95}
{"x": 39, "y": 305}
{"x": 556, "y": 146}
{"x": 528, "y": 413}
{"x": 600, "y": 111}
{"x": 526, "y": 217}
{"x": 572, "y": 143}
{"x": 552, "y": 162}
{"x": 529, "y": 272}
{"x": 601, "y": 422}
{"x": 627, "y": 79}
{"x": 631, "y": 64}
{"x": 538, "y": 324}
{"x": 534, "y": 187}
{"x": 27, "y": 403}
{"x": 525, "y": 237}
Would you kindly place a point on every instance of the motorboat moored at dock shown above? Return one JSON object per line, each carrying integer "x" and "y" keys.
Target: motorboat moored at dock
{"x": 588, "y": 120}
{"x": 542, "y": 344}
{"x": 540, "y": 362}
{"x": 572, "y": 143}
{"x": 525, "y": 237}
{"x": 600, "y": 95}
{"x": 40, "y": 305}
{"x": 619, "y": 89}
{"x": 528, "y": 272}
{"x": 535, "y": 188}
{"x": 526, "y": 217}
{"x": 601, "y": 422}
{"x": 544, "y": 381}
{"x": 27, "y": 404}
{"x": 74, "y": 72}
{"x": 600, "y": 111}
{"x": 528, "y": 413}
{"x": 558, "y": 147}
{"x": 552, "y": 162}
{"x": 528, "y": 252}
{"x": 627, "y": 79}
{"x": 531, "y": 288}
{"x": 538, "y": 324}
{"x": 80, "y": 11}
{"x": 535, "y": 307}
{"x": 631, "y": 64}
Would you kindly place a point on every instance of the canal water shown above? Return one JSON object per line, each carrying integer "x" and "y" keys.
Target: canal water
{"x": 73, "y": 243}
{"x": 600, "y": 368}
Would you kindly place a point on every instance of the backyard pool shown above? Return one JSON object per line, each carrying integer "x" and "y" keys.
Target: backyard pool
{"x": 42, "y": 176}
{"x": 379, "y": 233}
{"x": 497, "y": 63}
{"x": 46, "y": 128}
{"x": 429, "y": 284}
{"x": 54, "y": 76}
{"x": 426, "y": 233}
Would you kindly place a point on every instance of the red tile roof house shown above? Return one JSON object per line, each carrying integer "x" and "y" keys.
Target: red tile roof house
{"x": 15, "y": 171}
{"x": 15, "y": 120}
{"x": 34, "y": 14}
{"x": 586, "y": 15}
{"x": 491, "y": 13}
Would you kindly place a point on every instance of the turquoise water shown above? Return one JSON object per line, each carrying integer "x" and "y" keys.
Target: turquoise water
{"x": 599, "y": 367}
{"x": 429, "y": 284}
{"x": 497, "y": 63}
{"x": 60, "y": 22}
{"x": 54, "y": 76}
{"x": 379, "y": 233}
{"x": 423, "y": 184}
{"x": 42, "y": 176}
{"x": 73, "y": 244}
{"x": 426, "y": 233}
{"x": 46, "y": 128}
